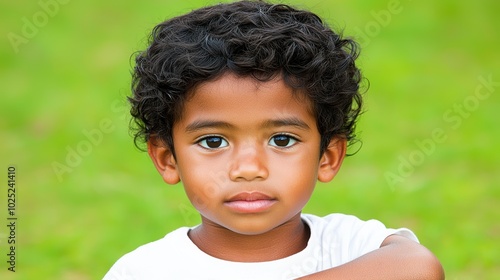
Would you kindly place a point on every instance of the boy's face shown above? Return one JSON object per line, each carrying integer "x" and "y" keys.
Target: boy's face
{"x": 247, "y": 153}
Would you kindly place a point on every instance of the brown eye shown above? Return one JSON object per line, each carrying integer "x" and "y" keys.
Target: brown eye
{"x": 282, "y": 141}
{"x": 213, "y": 142}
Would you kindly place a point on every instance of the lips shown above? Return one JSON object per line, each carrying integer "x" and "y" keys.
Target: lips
{"x": 250, "y": 202}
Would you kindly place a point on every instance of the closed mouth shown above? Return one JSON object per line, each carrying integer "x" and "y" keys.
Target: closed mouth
{"x": 249, "y": 196}
{"x": 250, "y": 202}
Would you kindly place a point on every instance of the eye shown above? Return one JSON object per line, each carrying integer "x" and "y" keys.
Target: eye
{"x": 213, "y": 142}
{"x": 282, "y": 141}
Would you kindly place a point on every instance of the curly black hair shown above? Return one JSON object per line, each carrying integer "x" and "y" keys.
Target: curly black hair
{"x": 247, "y": 38}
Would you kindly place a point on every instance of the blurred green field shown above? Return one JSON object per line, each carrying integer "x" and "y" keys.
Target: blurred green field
{"x": 428, "y": 161}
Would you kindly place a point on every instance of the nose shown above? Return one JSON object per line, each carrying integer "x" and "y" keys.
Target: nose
{"x": 249, "y": 163}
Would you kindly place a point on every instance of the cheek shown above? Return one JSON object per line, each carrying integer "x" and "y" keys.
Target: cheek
{"x": 303, "y": 190}
{"x": 299, "y": 177}
{"x": 202, "y": 184}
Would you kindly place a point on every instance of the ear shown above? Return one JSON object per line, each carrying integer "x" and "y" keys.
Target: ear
{"x": 331, "y": 160}
{"x": 163, "y": 160}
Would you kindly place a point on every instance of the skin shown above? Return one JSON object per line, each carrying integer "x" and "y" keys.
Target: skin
{"x": 238, "y": 137}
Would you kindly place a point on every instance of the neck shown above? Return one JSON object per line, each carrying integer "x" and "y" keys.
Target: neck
{"x": 280, "y": 242}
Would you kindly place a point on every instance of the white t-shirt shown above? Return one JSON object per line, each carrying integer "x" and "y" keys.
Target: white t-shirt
{"x": 335, "y": 240}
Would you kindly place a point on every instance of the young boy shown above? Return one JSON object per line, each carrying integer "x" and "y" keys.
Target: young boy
{"x": 248, "y": 104}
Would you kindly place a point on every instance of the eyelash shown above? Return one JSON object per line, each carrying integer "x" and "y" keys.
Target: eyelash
{"x": 205, "y": 138}
{"x": 291, "y": 138}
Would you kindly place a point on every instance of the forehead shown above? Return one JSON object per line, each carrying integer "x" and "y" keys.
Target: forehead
{"x": 245, "y": 94}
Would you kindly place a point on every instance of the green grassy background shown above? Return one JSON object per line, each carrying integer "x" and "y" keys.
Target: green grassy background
{"x": 70, "y": 77}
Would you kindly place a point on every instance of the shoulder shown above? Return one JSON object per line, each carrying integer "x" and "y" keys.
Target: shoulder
{"x": 162, "y": 247}
{"x": 342, "y": 227}
{"x": 347, "y": 237}
{"x": 343, "y": 224}
{"x": 334, "y": 218}
{"x": 145, "y": 261}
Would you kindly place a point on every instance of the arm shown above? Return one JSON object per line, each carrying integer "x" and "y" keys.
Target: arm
{"x": 397, "y": 258}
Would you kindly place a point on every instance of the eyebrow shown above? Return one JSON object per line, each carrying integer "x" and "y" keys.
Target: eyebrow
{"x": 295, "y": 122}
{"x": 202, "y": 124}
